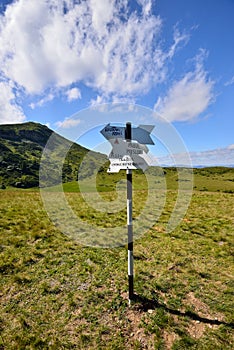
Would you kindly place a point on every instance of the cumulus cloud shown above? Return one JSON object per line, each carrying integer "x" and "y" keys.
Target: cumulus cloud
{"x": 10, "y": 112}
{"x": 188, "y": 97}
{"x": 103, "y": 44}
{"x": 73, "y": 94}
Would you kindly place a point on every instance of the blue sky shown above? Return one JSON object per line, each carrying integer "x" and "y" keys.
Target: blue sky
{"x": 58, "y": 58}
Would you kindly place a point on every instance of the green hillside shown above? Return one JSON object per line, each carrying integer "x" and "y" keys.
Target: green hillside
{"x": 21, "y": 147}
{"x": 219, "y": 179}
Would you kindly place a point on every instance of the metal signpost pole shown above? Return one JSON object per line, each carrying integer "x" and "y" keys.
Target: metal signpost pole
{"x": 128, "y": 155}
{"x": 128, "y": 137}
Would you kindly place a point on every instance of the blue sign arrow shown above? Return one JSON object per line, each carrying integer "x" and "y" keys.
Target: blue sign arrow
{"x": 140, "y": 134}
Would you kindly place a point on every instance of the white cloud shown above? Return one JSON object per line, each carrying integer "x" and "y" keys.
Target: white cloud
{"x": 21, "y": 54}
{"x": 230, "y": 82}
{"x": 103, "y": 99}
{"x": 231, "y": 146}
{"x": 42, "y": 101}
{"x": 50, "y": 43}
{"x": 215, "y": 157}
{"x": 146, "y": 6}
{"x": 189, "y": 97}
{"x": 100, "y": 100}
{"x": 179, "y": 39}
{"x": 10, "y": 112}
{"x": 68, "y": 123}
{"x": 102, "y": 13}
{"x": 73, "y": 94}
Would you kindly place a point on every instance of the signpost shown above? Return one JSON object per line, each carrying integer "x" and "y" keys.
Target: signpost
{"x": 128, "y": 136}
{"x": 129, "y": 151}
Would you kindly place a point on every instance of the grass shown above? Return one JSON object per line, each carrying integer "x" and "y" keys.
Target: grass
{"x": 215, "y": 179}
{"x": 57, "y": 294}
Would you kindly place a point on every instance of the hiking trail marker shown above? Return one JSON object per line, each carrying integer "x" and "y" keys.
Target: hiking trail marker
{"x": 129, "y": 152}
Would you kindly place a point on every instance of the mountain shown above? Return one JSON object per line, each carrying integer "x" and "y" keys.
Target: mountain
{"x": 21, "y": 147}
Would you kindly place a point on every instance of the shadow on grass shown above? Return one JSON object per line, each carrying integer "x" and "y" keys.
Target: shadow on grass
{"x": 145, "y": 304}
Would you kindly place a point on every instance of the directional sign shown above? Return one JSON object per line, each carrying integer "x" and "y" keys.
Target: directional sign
{"x": 127, "y": 163}
{"x": 128, "y": 155}
{"x": 140, "y": 134}
{"x": 122, "y": 148}
{"x": 117, "y": 165}
{"x": 110, "y": 132}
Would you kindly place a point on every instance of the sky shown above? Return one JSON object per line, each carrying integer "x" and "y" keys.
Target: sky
{"x": 61, "y": 59}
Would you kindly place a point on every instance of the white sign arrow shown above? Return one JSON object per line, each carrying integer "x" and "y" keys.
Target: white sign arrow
{"x": 116, "y": 166}
{"x": 121, "y": 148}
{"x": 140, "y": 134}
{"x": 128, "y": 155}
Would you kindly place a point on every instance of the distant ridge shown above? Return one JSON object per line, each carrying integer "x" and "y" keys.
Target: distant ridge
{"x": 220, "y": 157}
{"x": 198, "y": 166}
{"x": 213, "y": 166}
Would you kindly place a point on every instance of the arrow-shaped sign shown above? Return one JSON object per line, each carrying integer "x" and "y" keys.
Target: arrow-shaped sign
{"x": 140, "y": 134}
{"x": 127, "y": 163}
{"x": 121, "y": 148}
{"x": 128, "y": 155}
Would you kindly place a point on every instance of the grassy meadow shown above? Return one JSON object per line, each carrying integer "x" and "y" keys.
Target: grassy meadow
{"x": 58, "y": 294}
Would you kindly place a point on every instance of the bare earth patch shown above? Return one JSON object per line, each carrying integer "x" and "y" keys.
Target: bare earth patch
{"x": 197, "y": 328}
{"x": 169, "y": 339}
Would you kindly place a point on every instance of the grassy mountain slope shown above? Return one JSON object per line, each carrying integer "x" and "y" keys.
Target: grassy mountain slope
{"x": 21, "y": 147}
